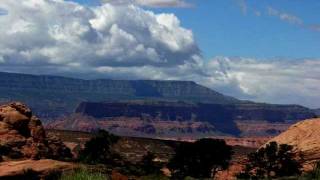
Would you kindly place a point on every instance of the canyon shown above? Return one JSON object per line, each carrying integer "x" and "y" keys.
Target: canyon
{"x": 146, "y": 108}
{"x": 181, "y": 120}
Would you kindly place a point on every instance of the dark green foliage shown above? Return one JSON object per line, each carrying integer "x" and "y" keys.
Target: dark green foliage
{"x": 201, "y": 159}
{"x": 98, "y": 149}
{"x": 272, "y": 161}
{"x": 148, "y": 164}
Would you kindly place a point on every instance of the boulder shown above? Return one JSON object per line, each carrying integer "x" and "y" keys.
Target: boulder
{"x": 22, "y": 136}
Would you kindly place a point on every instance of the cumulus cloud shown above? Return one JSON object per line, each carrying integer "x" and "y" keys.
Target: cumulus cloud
{"x": 66, "y": 35}
{"x": 151, "y": 3}
{"x": 277, "y": 81}
{"x": 127, "y": 42}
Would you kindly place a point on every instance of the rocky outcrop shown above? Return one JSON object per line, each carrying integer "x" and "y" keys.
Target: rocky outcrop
{"x": 33, "y": 169}
{"x": 22, "y": 136}
{"x": 304, "y": 136}
{"x": 262, "y": 128}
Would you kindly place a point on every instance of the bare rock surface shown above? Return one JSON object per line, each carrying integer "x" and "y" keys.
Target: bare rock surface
{"x": 304, "y": 136}
{"x": 42, "y": 167}
{"x": 22, "y": 136}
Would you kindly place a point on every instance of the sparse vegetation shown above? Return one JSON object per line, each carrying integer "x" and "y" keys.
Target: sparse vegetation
{"x": 149, "y": 165}
{"x": 201, "y": 159}
{"x": 83, "y": 174}
{"x": 272, "y": 161}
{"x": 98, "y": 149}
{"x": 314, "y": 174}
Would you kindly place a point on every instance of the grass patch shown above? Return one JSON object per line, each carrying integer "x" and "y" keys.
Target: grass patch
{"x": 84, "y": 174}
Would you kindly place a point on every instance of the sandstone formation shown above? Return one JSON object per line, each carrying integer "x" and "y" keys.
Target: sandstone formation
{"x": 304, "y": 136}
{"x": 22, "y": 136}
{"x": 33, "y": 169}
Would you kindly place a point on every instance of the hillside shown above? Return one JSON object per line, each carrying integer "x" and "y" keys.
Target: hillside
{"x": 304, "y": 136}
{"x": 52, "y": 96}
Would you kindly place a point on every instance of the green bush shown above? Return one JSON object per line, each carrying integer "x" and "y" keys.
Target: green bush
{"x": 98, "y": 149}
{"x": 148, "y": 165}
{"x": 201, "y": 159}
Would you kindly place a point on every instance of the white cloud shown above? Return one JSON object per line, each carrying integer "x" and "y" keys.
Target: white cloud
{"x": 276, "y": 81}
{"x": 151, "y": 3}
{"x": 58, "y": 33}
{"x": 128, "y": 42}
{"x": 290, "y": 18}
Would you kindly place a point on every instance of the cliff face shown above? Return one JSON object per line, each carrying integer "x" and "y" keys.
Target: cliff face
{"x": 222, "y": 116}
{"x": 52, "y": 96}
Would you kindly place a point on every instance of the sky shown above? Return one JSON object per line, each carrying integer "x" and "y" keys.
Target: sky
{"x": 261, "y": 50}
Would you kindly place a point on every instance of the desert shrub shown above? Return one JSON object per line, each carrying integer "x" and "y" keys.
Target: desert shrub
{"x": 148, "y": 164}
{"x": 271, "y": 161}
{"x": 201, "y": 159}
{"x": 314, "y": 174}
{"x": 98, "y": 149}
{"x": 83, "y": 174}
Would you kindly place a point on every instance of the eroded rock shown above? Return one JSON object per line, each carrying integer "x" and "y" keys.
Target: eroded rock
{"x": 304, "y": 136}
{"x": 23, "y": 136}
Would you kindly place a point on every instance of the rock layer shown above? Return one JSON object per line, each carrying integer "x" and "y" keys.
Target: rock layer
{"x": 304, "y": 136}
{"x": 22, "y": 136}
{"x": 40, "y": 169}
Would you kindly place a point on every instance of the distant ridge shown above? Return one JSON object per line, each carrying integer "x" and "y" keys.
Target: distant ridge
{"x": 52, "y": 96}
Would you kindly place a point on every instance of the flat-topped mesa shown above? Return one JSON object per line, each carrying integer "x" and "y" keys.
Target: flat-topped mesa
{"x": 22, "y": 136}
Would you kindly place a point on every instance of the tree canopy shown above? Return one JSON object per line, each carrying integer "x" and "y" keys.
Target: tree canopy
{"x": 271, "y": 161}
{"x": 201, "y": 159}
{"x": 98, "y": 148}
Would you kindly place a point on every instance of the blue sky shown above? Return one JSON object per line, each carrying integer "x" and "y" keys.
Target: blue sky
{"x": 223, "y": 28}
